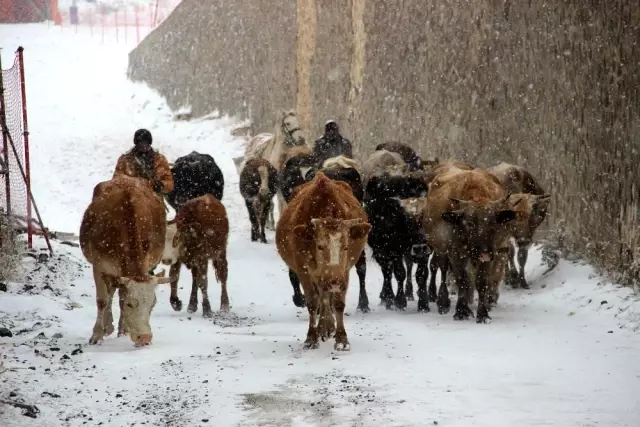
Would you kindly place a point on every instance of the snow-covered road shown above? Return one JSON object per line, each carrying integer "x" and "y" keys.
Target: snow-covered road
{"x": 564, "y": 353}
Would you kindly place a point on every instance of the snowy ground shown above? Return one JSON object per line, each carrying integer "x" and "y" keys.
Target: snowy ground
{"x": 564, "y": 353}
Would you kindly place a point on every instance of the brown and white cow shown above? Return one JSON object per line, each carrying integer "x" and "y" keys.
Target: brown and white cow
{"x": 467, "y": 217}
{"x": 320, "y": 236}
{"x": 122, "y": 236}
{"x": 199, "y": 233}
{"x": 531, "y": 205}
{"x": 258, "y": 185}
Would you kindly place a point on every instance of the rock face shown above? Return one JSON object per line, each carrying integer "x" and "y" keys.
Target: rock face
{"x": 537, "y": 84}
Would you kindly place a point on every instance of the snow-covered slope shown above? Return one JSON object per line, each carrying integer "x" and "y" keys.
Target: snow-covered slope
{"x": 564, "y": 353}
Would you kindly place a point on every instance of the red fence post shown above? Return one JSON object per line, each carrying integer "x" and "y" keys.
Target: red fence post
{"x": 155, "y": 15}
{"x": 27, "y": 168}
{"x": 25, "y": 133}
{"x": 135, "y": 8}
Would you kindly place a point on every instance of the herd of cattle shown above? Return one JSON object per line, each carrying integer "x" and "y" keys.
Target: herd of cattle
{"x": 461, "y": 218}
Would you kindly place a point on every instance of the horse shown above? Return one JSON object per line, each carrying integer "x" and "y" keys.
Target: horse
{"x": 273, "y": 147}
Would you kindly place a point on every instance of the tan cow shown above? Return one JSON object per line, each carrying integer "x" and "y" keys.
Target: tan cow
{"x": 531, "y": 206}
{"x": 467, "y": 217}
{"x": 199, "y": 233}
{"x": 122, "y": 236}
{"x": 320, "y": 236}
{"x": 383, "y": 162}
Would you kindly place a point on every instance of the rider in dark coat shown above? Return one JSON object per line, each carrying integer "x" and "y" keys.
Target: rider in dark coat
{"x": 331, "y": 144}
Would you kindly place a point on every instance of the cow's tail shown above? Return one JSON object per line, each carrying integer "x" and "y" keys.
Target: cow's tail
{"x": 264, "y": 182}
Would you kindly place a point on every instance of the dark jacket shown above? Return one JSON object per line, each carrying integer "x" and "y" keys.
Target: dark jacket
{"x": 325, "y": 148}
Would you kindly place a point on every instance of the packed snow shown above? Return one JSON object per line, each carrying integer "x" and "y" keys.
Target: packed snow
{"x": 564, "y": 353}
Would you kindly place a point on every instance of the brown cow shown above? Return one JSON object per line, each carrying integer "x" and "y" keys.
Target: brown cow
{"x": 468, "y": 217}
{"x": 531, "y": 208}
{"x": 198, "y": 234}
{"x": 320, "y": 236}
{"x": 258, "y": 185}
{"x": 122, "y": 237}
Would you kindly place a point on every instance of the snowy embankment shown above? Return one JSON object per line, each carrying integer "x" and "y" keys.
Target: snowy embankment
{"x": 564, "y": 353}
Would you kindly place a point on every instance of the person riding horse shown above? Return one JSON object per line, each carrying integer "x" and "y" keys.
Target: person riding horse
{"x": 331, "y": 144}
{"x": 142, "y": 161}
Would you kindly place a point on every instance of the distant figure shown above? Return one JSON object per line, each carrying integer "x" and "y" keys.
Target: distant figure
{"x": 142, "y": 161}
{"x": 331, "y": 144}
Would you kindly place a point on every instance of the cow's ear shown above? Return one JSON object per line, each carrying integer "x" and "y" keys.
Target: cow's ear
{"x": 359, "y": 231}
{"x": 453, "y": 217}
{"x": 502, "y": 217}
{"x": 304, "y": 233}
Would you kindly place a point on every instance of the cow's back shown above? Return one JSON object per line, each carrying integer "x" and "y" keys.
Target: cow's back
{"x": 475, "y": 185}
{"x": 122, "y": 230}
{"x": 204, "y": 219}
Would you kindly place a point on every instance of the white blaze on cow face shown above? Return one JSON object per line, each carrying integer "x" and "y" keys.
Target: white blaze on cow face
{"x": 139, "y": 302}
{"x": 335, "y": 246}
{"x": 171, "y": 250}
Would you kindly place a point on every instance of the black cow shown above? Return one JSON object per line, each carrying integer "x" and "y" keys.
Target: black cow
{"x": 411, "y": 185}
{"x": 195, "y": 175}
{"x": 395, "y": 236}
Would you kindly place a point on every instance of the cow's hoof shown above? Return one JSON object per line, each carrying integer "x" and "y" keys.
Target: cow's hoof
{"x": 364, "y": 308}
{"x": 401, "y": 303}
{"x": 311, "y": 344}
{"x": 423, "y": 306}
{"x": 342, "y": 346}
{"x": 463, "y": 313}
{"x": 524, "y": 284}
{"x": 224, "y": 308}
{"x": 299, "y": 301}
{"x": 176, "y": 304}
{"x": 108, "y": 330}
{"x": 207, "y": 314}
{"x": 192, "y": 308}
{"x": 483, "y": 319}
{"x": 95, "y": 339}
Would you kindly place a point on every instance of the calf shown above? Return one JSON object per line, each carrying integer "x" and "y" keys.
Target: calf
{"x": 532, "y": 206}
{"x": 258, "y": 185}
{"x": 320, "y": 236}
{"x": 121, "y": 236}
{"x": 195, "y": 175}
{"x": 467, "y": 217}
{"x": 409, "y": 185}
{"x": 395, "y": 235}
{"x": 198, "y": 234}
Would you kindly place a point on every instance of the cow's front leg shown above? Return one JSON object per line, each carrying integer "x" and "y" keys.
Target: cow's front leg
{"x": 123, "y": 329}
{"x": 523, "y": 254}
{"x": 401, "y": 275}
{"x": 387, "y": 289}
{"x": 339, "y": 303}
{"x": 408, "y": 286}
{"x": 361, "y": 269}
{"x": 102, "y": 297}
{"x": 312, "y": 306}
